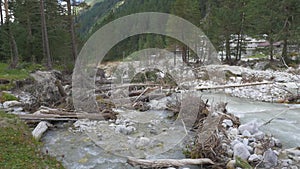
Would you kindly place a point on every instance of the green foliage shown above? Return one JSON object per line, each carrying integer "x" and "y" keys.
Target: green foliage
{"x": 18, "y": 148}
{"x": 7, "y": 97}
{"x": 242, "y": 163}
{"x": 20, "y": 73}
{"x": 26, "y": 29}
{"x": 258, "y": 56}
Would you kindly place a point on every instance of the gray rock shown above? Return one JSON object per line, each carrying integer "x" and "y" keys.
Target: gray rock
{"x": 294, "y": 167}
{"x": 233, "y": 132}
{"x": 234, "y": 142}
{"x": 287, "y": 162}
{"x": 277, "y": 143}
{"x": 127, "y": 130}
{"x": 269, "y": 159}
{"x": 259, "y": 135}
{"x": 258, "y": 149}
{"x": 1, "y": 106}
{"x": 10, "y": 104}
{"x": 241, "y": 151}
{"x": 228, "y": 122}
{"x": 246, "y": 133}
{"x": 245, "y": 141}
{"x": 252, "y": 127}
{"x": 142, "y": 142}
{"x": 254, "y": 158}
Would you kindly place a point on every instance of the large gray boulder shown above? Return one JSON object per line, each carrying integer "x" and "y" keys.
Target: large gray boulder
{"x": 270, "y": 159}
{"x": 241, "y": 151}
{"x": 45, "y": 88}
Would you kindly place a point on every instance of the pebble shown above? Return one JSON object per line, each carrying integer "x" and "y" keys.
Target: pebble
{"x": 258, "y": 149}
{"x": 259, "y": 135}
{"x": 287, "y": 162}
{"x": 246, "y": 133}
{"x": 254, "y": 158}
{"x": 252, "y": 127}
{"x": 142, "y": 142}
{"x": 228, "y": 122}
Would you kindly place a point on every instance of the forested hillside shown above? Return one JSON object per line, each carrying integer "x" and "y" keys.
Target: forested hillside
{"x": 52, "y": 32}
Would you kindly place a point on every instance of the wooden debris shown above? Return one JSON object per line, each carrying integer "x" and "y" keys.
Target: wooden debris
{"x": 232, "y": 86}
{"x": 160, "y": 163}
{"x": 61, "y": 117}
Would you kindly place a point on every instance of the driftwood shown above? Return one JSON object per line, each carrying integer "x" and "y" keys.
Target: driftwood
{"x": 60, "y": 117}
{"x": 160, "y": 163}
{"x": 232, "y": 86}
{"x": 40, "y": 129}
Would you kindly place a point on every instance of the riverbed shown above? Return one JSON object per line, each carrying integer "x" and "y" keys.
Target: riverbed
{"x": 79, "y": 150}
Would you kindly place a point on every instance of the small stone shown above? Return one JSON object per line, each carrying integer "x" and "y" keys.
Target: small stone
{"x": 252, "y": 127}
{"x": 270, "y": 159}
{"x": 287, "y": 162}
{"x": 259, "y": 135}
{"x": 246, "y": 133}
{"x": 277, "y": 143}
{"x": 241, "y": 151}
{"x": 153, "y": 131}
{"x": 245, "y": 141}
{"x": 259, "y": 150}
{"x": 294, "y": 167}
{"x": 250, "y": 149}
{"x": 229, "y": 153}
{"x": 234, "y": 142}
{"x": 233, "y": 132}
{"x": 228, "y": 122}
{"x": 254, "y": 158}
{"x": 142, "y": 142}
{"x": 230, "y": 164}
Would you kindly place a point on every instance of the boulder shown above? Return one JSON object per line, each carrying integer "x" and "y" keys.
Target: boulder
{"x": 269, "y": 159}
{"x": 40, "y": 129}
{"x": 240, "y": 150}
{"x": 10, "y": 104}
{"x": 45, "y": 87}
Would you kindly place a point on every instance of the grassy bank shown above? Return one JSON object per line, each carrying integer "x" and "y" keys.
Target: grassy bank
{"x": 11, "y": 75}
{"x": 18, "y": 148}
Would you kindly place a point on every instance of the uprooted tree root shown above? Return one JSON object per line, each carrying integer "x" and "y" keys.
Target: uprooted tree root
{"x": 211, "y": 134}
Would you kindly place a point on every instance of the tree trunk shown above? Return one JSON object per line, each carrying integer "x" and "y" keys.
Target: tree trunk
{"x": 271, "y": 48}
{"x": 12, "y": 42}
{"x": 238, "y": 47}
{"x": 45, "y": 36}
{"x": 72, "y": 30}
{"x": 184, "y": 54}
{"x": 227, "y": 48}
{"x": 1, "y": 14}
{"x": 30, "y": 41}
{"x": 285, "y": 40}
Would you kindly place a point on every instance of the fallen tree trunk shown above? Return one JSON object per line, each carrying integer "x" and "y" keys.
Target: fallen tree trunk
{"x": 234, "y": 85}
{"x": 159, "y": 163}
